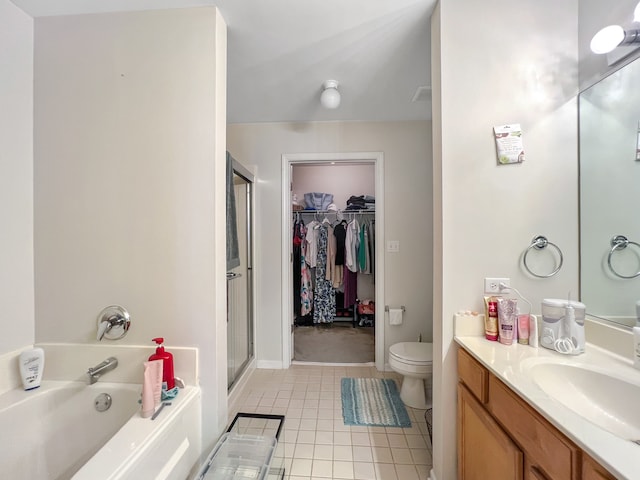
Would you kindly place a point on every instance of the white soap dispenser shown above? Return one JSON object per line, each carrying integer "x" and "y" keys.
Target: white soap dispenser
{"x": 636, "y": 338}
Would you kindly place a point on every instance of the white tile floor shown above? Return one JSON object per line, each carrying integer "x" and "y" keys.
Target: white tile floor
{"x": 315, "y": 444}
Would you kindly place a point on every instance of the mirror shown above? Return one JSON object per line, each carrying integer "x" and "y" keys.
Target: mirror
{"x": 609, "y": 115}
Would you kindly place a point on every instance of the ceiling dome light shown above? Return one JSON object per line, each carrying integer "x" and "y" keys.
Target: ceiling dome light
{"x": 607, "y": 39}
{"x": 330, "y": 97}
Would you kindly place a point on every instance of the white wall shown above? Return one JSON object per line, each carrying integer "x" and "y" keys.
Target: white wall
{"x": 16, "y": 180}
{"x": 518, "y": 66}
{"x": 129, "y": 182}
{"x": 407, "y": 177}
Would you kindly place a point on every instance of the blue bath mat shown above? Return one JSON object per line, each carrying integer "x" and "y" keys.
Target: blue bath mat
{"x": 373, "y": 402}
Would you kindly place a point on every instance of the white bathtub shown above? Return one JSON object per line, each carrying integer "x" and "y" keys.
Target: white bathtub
{"x": 55, "y": 432}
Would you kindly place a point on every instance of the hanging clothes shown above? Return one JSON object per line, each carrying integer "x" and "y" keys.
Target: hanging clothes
{"x": 332, "y": 268}
{"x": 298, "y": 239}
{"x": 352, "y": 241}
{"x": 312, "y": 243}
{"x": 350, "y": 283}
{"x": 372, "y": 245}
{"x": 324, "y": 298}
{"x": 340, "y": 232}
{"x": 364, "y": 260}
{"x": 306, "y": 288}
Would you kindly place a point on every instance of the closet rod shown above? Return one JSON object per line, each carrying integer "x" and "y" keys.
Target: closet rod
{"x": 311, "y": 212}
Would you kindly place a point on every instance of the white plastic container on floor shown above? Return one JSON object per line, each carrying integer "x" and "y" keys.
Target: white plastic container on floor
{"x": 239, "y": 457}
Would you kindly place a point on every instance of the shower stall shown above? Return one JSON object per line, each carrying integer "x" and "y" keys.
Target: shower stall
{"x": 240, "y": 311}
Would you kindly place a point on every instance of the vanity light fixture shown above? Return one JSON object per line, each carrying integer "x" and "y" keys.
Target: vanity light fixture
{"x": 613, "y": 36}
{"x": 330, "y": 97}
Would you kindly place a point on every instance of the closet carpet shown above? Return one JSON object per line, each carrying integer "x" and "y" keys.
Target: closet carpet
{"x": 334, "y": 343}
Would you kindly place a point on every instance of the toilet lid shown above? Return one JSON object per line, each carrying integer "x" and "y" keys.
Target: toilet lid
{"x": 413, "y": 351}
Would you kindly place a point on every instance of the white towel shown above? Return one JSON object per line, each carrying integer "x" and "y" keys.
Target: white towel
{"x": 395, "y": 316}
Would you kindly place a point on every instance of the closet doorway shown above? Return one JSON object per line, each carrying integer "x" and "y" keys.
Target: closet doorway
{"x": 347, "y": 191}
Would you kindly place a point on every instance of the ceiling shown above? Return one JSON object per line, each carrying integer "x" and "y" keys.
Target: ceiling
{"x": 281, "y": 51}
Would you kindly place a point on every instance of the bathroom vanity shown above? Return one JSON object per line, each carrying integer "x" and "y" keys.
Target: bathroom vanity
{"x": 511, "y": 425}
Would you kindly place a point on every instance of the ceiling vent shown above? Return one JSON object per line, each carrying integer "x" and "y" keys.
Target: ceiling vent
{"x": 423, "y": 94}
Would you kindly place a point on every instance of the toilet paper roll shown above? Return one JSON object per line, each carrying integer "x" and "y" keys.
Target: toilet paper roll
{"x": 395, "y": 316}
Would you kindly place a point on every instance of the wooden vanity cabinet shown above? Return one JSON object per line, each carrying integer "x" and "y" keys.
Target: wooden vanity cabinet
{"x": 592, "y": 470}
{"x": 484, "y": 449}
{"x": 513, "y": 441}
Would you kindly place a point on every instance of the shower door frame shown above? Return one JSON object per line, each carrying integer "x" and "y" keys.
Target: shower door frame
{"x": 246, "y": 175}
{"x": 288, "y": 160}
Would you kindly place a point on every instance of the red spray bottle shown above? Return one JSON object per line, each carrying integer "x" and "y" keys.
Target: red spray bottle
{"x": 167, "y": 363}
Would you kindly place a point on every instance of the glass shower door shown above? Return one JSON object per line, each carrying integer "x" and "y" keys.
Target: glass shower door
{"x": 239, "y": 284}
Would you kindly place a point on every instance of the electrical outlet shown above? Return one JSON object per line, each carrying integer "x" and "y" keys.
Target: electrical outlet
{"x": 493, "y": 285}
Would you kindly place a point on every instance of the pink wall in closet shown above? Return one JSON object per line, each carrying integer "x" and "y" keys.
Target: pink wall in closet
{"x": 342, "y": 181}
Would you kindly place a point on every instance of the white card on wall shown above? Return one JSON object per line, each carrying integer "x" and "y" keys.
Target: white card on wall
{"x": 509, "y": 147}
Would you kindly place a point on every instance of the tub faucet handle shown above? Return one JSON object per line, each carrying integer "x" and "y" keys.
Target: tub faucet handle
{"x": 113, "y": 323}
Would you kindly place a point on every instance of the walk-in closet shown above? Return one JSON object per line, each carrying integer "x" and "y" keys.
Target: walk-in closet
{"x": 333, "y": 262}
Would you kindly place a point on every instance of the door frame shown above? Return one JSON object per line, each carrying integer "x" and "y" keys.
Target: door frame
{"x": 288, "y": 160}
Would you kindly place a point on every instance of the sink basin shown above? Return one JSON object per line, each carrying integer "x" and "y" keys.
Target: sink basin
{"x": 606, "y": 401}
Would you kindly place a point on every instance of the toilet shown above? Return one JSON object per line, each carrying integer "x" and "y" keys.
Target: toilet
{"x": 414, "y": 361}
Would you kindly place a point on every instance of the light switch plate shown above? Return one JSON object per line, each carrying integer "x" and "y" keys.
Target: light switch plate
{"x": 393, "y": 245}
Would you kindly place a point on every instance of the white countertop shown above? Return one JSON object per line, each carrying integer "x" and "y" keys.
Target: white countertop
{"x": 510, "y": 363}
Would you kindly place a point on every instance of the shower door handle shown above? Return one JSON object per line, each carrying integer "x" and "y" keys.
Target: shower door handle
{"x": 233, "y": 275}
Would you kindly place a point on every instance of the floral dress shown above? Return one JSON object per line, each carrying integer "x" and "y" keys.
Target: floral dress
{"x": 324, "y": 299}
{"x": 306, "y": 290}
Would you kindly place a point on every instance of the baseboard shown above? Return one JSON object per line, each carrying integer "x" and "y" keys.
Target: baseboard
{"x": 269, "y": 364}
{"x": 329, "y": 364}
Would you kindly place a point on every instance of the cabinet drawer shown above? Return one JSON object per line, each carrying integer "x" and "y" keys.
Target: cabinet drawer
{"x": 473, "y": 375}
{"x": 548, "y": 449}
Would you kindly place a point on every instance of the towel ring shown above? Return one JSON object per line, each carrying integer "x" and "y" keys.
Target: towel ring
{"x": 540, "y": 242}
{"x": 619, "y": 243}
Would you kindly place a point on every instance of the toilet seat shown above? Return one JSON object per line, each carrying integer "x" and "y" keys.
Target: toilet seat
{"x": 412, "y": 353}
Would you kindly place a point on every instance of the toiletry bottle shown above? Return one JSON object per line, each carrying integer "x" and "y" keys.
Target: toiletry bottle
{"x": 523, "y": 327}
{"x": 151, "y": 387}
{"x": 491, "y": 318}
{"x": 167, "y": 363}
{"x": 507, "y": 320}
{"x": 533, "y": 331}
{"x": 31, "y": 368}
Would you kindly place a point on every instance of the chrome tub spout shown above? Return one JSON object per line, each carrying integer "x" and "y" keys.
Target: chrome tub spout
{"x": 102, "y": 368}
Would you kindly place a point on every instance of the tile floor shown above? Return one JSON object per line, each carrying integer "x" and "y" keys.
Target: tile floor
{"x": 315, "y": 444}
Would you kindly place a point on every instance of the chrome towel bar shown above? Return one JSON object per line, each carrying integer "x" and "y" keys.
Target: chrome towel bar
{"x": 540, "y": 242}
{"x": 619, "y": 243}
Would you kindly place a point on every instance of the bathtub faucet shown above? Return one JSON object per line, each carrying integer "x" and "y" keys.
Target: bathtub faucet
{"x": 102, "y": 368}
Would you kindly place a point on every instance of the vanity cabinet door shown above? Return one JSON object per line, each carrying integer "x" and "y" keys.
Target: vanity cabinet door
{"x": 533, "y": 472}
{"x": 591, "y": 470}
{"x": 544, "y": 445}
{"x": 485, "y": 451}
